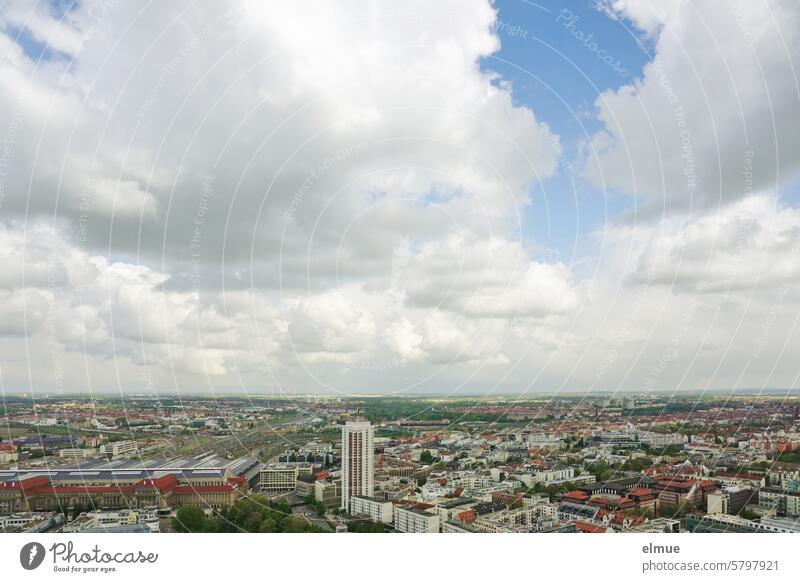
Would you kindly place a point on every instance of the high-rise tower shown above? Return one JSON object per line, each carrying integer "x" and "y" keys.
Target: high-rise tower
{"x": 358, "y": 468}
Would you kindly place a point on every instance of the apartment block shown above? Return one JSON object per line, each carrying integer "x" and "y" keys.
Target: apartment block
{"x": 410, "y": 520}
{"x": 375, "y": 509}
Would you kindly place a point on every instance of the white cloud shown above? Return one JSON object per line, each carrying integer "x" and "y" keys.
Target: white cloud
{"x": 289, "y": 196}
{"x": 312, "y": 120}
{"x": 487, "y": 278}
{"x": 749, "y": 244}
{"x": 285, "y": 154}
{"x": 719, "y": 100}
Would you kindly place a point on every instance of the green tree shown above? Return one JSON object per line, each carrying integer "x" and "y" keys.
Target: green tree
{"x": 253, "y": 522}
{"x": 601, "y": 470}
{"x": 255, "y": 513}
{"x": 365, "y": 526}
{"x": 189, "y": 518}
{"x": 269, "y": 525}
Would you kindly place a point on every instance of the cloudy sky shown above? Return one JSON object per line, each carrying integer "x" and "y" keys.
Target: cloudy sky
{"x": 422, "y": 197}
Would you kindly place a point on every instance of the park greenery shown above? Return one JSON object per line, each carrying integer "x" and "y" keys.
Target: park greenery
{"x": 253, "y": 514}
{"x": 365, "y": 526}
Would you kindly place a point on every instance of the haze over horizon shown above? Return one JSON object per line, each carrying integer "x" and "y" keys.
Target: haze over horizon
{"x": 464, "y": 198}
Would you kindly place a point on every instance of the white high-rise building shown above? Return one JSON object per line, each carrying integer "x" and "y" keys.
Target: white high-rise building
{"x": 358, "y": 460}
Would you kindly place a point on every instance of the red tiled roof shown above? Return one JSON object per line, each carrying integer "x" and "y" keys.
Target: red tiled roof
{"x": 203, "y": 489}
{"x": 641, "y": 491}
{"x": 86, "y": 489}
{"x": 467, "y": 516}
{"x": 589, "y": 528}
{"x": 457, "y": 493}
{"x": 163, "y": 484}
{"x": 28, "y": 484}
{"x": 576, "y": 496}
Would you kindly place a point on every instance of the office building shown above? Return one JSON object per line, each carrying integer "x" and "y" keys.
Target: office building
{"x": 119, "y": 449}
{"x": 328, "y": 492}
{"x": 75, "y": 454}
{"x": 731, "y": 500}
{"x": 784, "y": 502}
{"x": 282, "y": 477}
{"x": 358, "y": 470}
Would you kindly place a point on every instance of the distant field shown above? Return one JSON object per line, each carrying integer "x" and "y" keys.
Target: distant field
{"x": 7, "y": 433}
{"x": 15, "y": 430}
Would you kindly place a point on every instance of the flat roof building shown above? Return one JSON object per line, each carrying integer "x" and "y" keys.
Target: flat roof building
{"x": 375, "y": 509}
{"x": 282, "y": 477}
{"x": 412, "y": 520}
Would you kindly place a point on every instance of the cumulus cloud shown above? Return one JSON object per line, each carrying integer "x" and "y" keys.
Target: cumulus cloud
{"x": 87, "y": 304}
{"x": 751, "y": 243}
{"x": 314, "y": 122}
{"x": 293, "y": 196}
{"x": 487, "y": 278}
{"x": 233, "y": 184}
{"x": 719, "y": 100}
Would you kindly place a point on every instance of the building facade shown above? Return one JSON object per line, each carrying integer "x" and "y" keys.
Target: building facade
{"x": 358, "y": 462}
{"x": 119, "y": 449}
{"x": 785, "y": 503}
{"x": 282, "y": 477}
{"x": 208, "y": 481}
{"x": 375, "y": 509}
{"x": 410, "y": 520}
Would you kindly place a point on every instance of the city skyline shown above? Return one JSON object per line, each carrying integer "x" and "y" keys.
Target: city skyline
{"x": 440, "y": 267}
{"x": 635, "y": 464}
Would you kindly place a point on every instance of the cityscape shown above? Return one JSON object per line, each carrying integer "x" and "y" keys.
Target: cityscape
{"x": 526, "y": 267}
{"x": 591, "y": 463}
